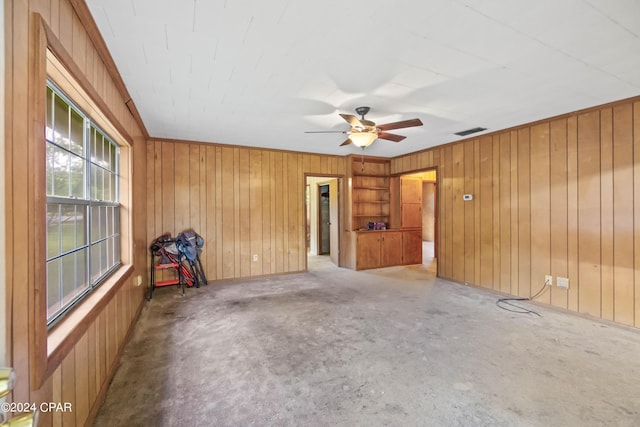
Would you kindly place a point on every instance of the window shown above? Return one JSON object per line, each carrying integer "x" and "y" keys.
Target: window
{"x": 83, "y": 209}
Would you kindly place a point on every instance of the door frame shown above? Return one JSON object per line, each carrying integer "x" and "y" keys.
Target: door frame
{"x": 341, "y": 212}
{"x": 436, "y": 207}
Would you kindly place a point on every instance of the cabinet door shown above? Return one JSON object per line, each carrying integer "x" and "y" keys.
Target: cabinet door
{"x": 391, "y": 248}
{"x": 411, "y": 203}
{"x": 411, "y": 215}
{"x": 368, "y": 250}
{"x": 411, "y": 190}
{"x": 412, "y": 247}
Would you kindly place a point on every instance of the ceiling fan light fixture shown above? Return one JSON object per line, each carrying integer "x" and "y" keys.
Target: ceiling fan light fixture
{"x": 363, "y": 139}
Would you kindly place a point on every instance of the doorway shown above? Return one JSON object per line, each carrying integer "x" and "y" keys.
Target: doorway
{"x": 429, "y": 216}
{"x": 322, "y": 215}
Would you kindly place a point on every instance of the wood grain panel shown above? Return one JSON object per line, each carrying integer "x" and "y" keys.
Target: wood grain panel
{"x": 524, "y": 213}
{"x": 447, "y": 218}
{"x": 606, "y": 212}
{"x": 589, "y": 213}
{"x": 244, "y": 202}
{"x": 469, "y": 213}
{"x": 228, "y": 216}
{"x": 168, "y": 205}
{"x": 68, "y": 387}
{"x": 244, "y": 214}
{"x": 181, "y": 187}
{"x": 513, "y": 210}
{"x": 457, "y": 264}
{"x": 571, "y": 198}
{"x": 505, "y": 212}
{"x": 540, "y": 209}
{"x": 218, "y": 184}
{"x": 572, "y": 212}
{"x": 265, "y": 193}
{"x": 194, "y": 189}
{"x": 74, "y": 371}
{"x": 623, "y": 216}
{"x": 256, "y": 209}
{"x": 558, "y": 200}
{"x": 495, "y": 227}
{"x": 485, "y": 200}
{"x": 81, "y": 379}
{"x": 476, "y": 215}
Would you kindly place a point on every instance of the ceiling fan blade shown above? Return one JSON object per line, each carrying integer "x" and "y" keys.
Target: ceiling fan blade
{"x": 400, "y": 125}
{"x": 390, "y": 136}
{"x": 347, "y": 142}
{"x": 326, "y": 131}
{"x": 352, "y": 120}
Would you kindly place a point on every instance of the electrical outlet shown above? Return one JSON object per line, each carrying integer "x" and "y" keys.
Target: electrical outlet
{"x": 138, "y": 280}
{"x": 563, "y": 282}
{"x": 548, "y": 280}
{"x": 255, "y": 257}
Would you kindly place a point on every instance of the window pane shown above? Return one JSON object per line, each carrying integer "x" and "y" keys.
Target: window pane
{"x": 81, "y": 225}
{"x": 107, "y": 186}
{"x": 68, "y": 277}
{"x": 68, "y": 221}
{"x": 77, "y": 176}
{"x": 114, "y": 187}
{"x": 116, "y": 217}
{"x": 50, "y": 157}
{"x": 103, "y": 221}
{"x": 117, "y": 248}
{"x": 77, "y": 133}
{"x": 97, "y": 183}
{"x": 112, "y": 162}
{"x": 61, "y": 122}
{"x": 49, "y": 129}
{"x": 53, "y": 287}
{"x": 53, "y": 230}
{"x": 95, "y": 263}
{"x": 109, "y": 259}
{"x": 104, "y": 257}
{"x": 93, "y": 143}
{"x": 101, "y": 147}
{"x": 81, "y": 266}
{"x": 95, "y": 224}
{"x": 60, "y": 164}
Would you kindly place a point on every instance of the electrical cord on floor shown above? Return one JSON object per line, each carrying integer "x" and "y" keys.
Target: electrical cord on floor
{"x": 521, "y": 310}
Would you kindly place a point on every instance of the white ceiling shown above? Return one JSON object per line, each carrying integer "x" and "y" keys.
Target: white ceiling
{"x": 260, "y": 73}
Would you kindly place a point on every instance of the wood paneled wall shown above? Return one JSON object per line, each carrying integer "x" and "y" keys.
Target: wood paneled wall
{"x": 242, "y": 201}
{"x": 88, "y": 365}
{"x": 559, "y": 197}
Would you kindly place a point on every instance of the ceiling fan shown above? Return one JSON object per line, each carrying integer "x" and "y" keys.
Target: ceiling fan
{"x": 364, "y": 132}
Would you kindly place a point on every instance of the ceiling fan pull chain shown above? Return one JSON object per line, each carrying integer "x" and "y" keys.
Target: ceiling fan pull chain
{"x": 362, "y": 167}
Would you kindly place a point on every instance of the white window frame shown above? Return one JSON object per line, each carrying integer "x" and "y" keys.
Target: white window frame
{"x": 96, "y": 240}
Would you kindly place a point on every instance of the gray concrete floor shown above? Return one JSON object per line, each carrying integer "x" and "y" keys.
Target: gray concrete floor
{"x": 394, "y": 346}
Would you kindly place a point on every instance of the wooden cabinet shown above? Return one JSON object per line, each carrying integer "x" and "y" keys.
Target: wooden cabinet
{"x": 369, "y": 191}
{"x": 410, "y": 203}
{"x": 375, "y": 249}
{"x": 372, "y": 194}
{"x": 412, "y": 246}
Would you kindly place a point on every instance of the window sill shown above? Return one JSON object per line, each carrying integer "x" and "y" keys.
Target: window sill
{"x": 64, "y": 336}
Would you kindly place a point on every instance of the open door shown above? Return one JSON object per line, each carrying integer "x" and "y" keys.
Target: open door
{"x": 324, "y": 220}
{"x": 334, "y": 250}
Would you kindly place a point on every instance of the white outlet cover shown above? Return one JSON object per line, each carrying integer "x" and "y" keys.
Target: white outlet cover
{"x": 563, "y": 282}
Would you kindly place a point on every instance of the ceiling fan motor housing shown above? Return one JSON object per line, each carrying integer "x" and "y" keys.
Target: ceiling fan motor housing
{"x": 362, "y": 111}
